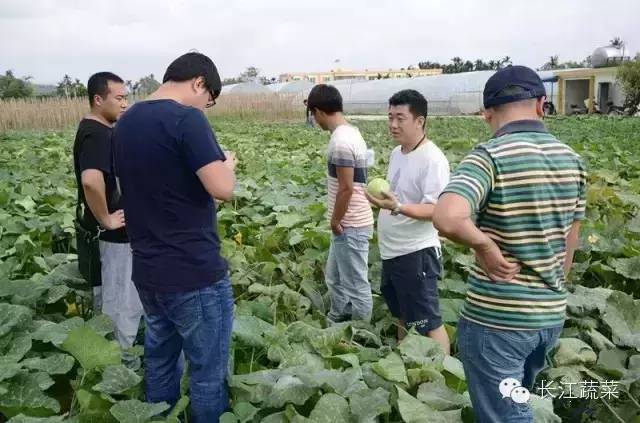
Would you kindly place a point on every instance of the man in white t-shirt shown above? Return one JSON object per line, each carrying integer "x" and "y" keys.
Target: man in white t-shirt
{"x": 409, "y": 244}
{"x": 350, "y": 214}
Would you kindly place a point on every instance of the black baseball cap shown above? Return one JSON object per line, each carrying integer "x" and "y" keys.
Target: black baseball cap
{"x": 524, "y": 81}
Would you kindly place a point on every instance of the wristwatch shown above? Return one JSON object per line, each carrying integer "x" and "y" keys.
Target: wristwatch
{"x": 397, "y": 209}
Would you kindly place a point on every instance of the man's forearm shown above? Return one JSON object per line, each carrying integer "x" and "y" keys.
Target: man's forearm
{"x": 97, "y": 202}
{"x": 342, "y": 204}
{"x": 568, "y": 260}
{"x": 462, "y": 231}
{"x": 573, "y": 242}
{"x": 418, "y": 211}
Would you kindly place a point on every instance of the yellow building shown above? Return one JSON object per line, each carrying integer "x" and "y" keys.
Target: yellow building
{"x": 339, "y": 74}
{"x": 586, "y": 89}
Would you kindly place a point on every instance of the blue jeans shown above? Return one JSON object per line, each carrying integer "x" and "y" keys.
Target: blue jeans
{"x": 198, "y": 322}
{"x": 347, "y": 275}
{"x": 490, "y": 356}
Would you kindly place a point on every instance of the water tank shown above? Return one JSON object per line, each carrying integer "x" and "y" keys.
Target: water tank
{"x": 608, "y": 56}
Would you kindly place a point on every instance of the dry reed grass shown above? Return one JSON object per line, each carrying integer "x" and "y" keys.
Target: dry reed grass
{"x": 61, "y": 113}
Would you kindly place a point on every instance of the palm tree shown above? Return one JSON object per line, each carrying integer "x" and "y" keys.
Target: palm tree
{"x": 467, "y": 66}
{"x": 457, "y": 64}
{"x": 616, "y": 42}
{"x": 65, "y": 85}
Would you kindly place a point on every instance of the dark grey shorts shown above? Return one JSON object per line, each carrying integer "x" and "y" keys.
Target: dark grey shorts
{"x": 410, "y": 288}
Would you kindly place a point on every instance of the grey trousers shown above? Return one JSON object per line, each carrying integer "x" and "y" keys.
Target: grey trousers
{"x": 119, "y": 297}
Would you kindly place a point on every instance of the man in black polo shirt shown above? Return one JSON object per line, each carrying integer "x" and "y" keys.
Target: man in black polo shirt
{"x": 171, "y": 168}
{"x": 94, "y": 170}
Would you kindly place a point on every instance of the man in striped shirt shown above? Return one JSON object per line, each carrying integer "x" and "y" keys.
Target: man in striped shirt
{"x": 347, "y": 268}
{"x": 526, "y": 192}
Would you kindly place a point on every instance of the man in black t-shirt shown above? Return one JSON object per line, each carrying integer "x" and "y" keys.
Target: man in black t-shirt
{"x": 94, "y": 165}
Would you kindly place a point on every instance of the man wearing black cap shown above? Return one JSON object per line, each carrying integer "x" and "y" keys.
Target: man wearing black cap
{"x": 517, "y": 201}
{"x": 171, "y": 168}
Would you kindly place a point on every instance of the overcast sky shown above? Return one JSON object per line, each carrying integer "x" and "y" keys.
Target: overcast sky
{"x": 48, "y": 38}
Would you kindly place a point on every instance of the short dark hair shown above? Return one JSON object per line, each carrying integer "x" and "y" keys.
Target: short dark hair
{"x": 99, "y": 84}
{"x": 192, "y": 65}
{"x": 418, "y": 105}
{"x": 325, "y": 98}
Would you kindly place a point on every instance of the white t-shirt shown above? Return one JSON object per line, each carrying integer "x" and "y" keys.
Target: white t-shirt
{"x": 417, "y": 177}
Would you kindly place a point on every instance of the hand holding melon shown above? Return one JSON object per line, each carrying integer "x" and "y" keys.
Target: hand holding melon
{"x": 377, "y": 186}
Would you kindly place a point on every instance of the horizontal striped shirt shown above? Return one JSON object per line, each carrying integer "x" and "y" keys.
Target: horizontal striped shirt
{"x": 526, "y": 189}
{"x": 347, "y": 148}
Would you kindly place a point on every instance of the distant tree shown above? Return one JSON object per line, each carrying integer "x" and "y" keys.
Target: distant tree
{"x": 250, "y": 74}
{"x": 71, "y": 87}
{"x": 231, "y": 81}
{"x": 79, "y": 90}
{"x": 629, "y": 78}
{"x": 458, "y": 65}
{"x": 479, "y": 65}
{"x": 616, "y": 42}
{"x": 146, "y": 85}
{"x": 13, "y": 87}
{"x": 467, "y": 66}
{"x": 554, "y": 63}
{"x": 551, "y": 64}
{"x": 504, "y": 62}
{"x": 429, "y": 65}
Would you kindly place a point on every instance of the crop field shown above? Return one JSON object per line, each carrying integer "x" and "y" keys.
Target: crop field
{"x": 59, "y": 363}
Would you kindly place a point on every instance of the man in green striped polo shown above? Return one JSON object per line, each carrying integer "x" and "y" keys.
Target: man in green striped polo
{"x": 517, "y": 201}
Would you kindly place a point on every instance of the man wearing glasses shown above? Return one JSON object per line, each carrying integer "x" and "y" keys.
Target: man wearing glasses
{"x": 171, "y": 170}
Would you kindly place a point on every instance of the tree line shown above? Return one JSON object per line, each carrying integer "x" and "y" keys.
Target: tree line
{"x": 12, "y": 86}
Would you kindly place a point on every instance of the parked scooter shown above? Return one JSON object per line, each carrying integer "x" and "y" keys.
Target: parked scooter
{"x": 574, "y": 109}
{"x": 613, "y": 110}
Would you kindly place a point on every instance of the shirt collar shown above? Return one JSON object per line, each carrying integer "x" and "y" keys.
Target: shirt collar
{"x": 521, "y": 126}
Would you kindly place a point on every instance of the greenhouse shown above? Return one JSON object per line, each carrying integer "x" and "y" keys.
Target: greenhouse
{"x": 448, "y": 94}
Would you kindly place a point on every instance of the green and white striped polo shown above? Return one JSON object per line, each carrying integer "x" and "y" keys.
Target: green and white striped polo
{"x": 526, "y": 189}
